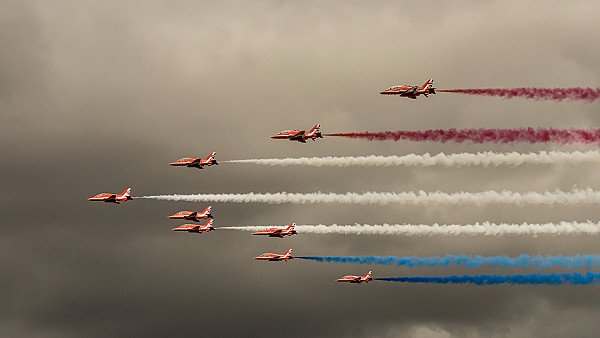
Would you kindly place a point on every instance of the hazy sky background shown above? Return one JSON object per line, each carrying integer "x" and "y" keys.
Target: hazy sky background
{"x": 99, "y": 95}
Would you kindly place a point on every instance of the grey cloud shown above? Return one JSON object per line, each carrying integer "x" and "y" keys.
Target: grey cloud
{"x": 96, "y": 96}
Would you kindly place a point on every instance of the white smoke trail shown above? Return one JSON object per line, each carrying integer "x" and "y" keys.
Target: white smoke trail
{"x": 576, "y": 196}
{"x": 483, "y": 229}
{"x": 486, "y": 159}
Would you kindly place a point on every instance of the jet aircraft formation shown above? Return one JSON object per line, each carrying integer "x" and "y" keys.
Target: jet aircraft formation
{"x": 408, "y": 91}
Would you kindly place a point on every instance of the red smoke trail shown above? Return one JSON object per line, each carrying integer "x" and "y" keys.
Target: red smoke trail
{"x": 554, "y": 94}
{"x": 530, "y": 135}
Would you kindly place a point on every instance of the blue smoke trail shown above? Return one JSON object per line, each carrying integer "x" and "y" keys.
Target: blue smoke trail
{"x": 523, "y": 261}
{"x": 549, "y": 279}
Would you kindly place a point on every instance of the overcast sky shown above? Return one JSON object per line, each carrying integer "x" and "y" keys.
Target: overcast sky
{"x": 99, "y": 95}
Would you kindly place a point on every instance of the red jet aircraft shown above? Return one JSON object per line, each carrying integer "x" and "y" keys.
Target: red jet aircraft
{"x": 199, "y": 228}
{"x": 193, "y": 215}
{"x": 195, "y": 162}
{"x": 411, "y": 91}
{"x": 356, "y": 279}
{"x": 112, "y": 198}
{"x": 300, "y": 135}
{"x": 275, "y": 257}
{"x": 278, "y": 232}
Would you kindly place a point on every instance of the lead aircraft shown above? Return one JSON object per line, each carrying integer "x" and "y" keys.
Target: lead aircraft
{"x": 112, "y": 198}
{"x": 275, "y": 257}
{"x": 196, "y": 162}
{"x": 356, "y": 279}
{"x": 278, "y": 232}
{"x": 410, "y": 90}
{"x": 300, "y": 135}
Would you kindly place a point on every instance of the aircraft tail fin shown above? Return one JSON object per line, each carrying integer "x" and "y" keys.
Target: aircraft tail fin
{"x": 427, "y": 85}
{"x": 127, "y": 193}
{"x": 212, "y": 158}
{"x": 315, "y": 131}
{"x": 208, "y": 211}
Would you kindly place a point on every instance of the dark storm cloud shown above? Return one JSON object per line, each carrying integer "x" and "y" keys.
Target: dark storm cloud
{"x": 96, "y": 96}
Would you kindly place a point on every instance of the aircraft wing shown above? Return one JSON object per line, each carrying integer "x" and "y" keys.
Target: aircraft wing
{"x": 197, "y": 163}
{"x": 111, "y": 198}
{"x": 298, "y": 136}
{"x": 410, "y": 92}
{"x": 407, "y": 91}
{"x": 276, "y": 232}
